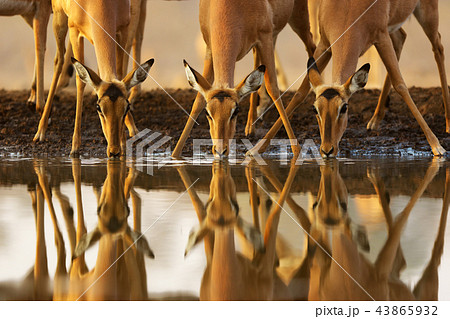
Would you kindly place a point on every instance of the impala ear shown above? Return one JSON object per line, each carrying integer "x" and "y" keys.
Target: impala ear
{"x": 196, "y": 235}
{"x": 358, "y": 80}
{"x": 141, "y": 242}
{"x": 251, "y": 234}
{"x": 313, "y": 74}
{"x": 251, "y": 83}
{"x": 196, "y": 80}
{"x": 87, "y": 75}
{"x": 138, "y": 75}
{"x": 86, "y": 241}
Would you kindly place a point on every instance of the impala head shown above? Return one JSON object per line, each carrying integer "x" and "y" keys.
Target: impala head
{"x": 222, "y": 210}
{"x": 330, "y": 208}
{"x": 331, "y": 105}
{"x": 112, "y": 102}
{"x": 331, "y": 203}
{"x": 222, "y": 105}
{"x": 112, "y": 213}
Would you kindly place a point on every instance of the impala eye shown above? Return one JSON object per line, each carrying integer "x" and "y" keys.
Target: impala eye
{"x": 344, "y": 108}
{"x": 207, "y": 114}
{"x": 127, "y": 109}
{"x": 99, "y": 110}
{"x": 235, "y": 113}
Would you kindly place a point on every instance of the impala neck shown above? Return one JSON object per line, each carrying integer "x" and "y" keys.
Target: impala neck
{"x": 225, "y": 28}
{"x": 224, "y": 266}
{"x": 105, "y": 272}
{"x": 345, "y": 59}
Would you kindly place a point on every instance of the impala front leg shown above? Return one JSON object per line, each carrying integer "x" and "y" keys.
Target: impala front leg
{"x": 398, "y": 39}
{"x": 266, "y": 53}
{"x": 387, "y": 53}
{"x": 322, "y": 56}
{"x": 78, "y": 52}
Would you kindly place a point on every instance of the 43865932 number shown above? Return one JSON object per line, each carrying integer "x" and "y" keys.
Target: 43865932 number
{"x": 407, "y": 310}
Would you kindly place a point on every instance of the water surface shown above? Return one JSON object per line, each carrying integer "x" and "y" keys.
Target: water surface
{"x": 99, "y": 229}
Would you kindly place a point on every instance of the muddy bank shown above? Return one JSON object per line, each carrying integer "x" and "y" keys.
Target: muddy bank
{"x": 399, "y": 133}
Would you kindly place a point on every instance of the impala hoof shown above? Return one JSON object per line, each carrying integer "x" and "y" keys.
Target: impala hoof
{"x": 438, "y": 151}
{"x": 373, "y": 125}
{"x": 39, "y": 137}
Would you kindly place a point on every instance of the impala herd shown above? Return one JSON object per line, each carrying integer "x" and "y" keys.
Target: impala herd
{"x": 344, "y": 30}
{"x": 230, "y": 28}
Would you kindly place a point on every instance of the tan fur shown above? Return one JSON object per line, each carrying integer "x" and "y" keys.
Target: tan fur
{"x": 112, "y": 278}
{"x": 350, "y": 34}
{"x": 111, "y": 20}
{"x": 363, "y": 280}
{"x": 229, "y": 275}
{"x": 231, "y": 28}
{"x": 36, "y": 13}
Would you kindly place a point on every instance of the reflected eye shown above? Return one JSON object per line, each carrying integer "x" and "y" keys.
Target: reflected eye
{"x": 344, "y": 109}
{"x": 235, "y": 113}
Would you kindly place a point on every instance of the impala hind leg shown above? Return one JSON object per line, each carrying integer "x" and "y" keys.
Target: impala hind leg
{"x": 197, "y": 107}
{"x": 387, "y": 53}
{"x": 398, "y": 39}
{"x": 67, "y": 70}
{"x": 427, "y": 15}
{"x": 60, "y": 31}
{"x": 265, "y": 51}
{"x": 300, "y": 24}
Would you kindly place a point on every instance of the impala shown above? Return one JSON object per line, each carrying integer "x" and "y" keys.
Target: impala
{"x": 347, "y": 30}
{"x": 231, "y": 28}
{"x": 104, "y": 24}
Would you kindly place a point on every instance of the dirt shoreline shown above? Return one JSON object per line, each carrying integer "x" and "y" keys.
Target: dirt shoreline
{"x": 399, "y": 133}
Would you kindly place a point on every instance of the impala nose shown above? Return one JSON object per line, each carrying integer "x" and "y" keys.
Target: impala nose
{"x": 220, "y": 152}
{"x": 114, "y": 152}
{"x": 329, "y": 153}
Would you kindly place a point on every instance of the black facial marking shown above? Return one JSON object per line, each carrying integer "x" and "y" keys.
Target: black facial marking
{"x": 327, "y": 126}
{"x": 330, "y": 93}
{"x": 114, "y": 224}
{"x": 221, "y": 96}
{"x": 113, "y": 92}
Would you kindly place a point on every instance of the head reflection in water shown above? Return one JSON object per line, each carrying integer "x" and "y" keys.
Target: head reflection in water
{"x": 362, "y": 279}
{"x": 114, "y": 237}
{"x": 230, "y": 275}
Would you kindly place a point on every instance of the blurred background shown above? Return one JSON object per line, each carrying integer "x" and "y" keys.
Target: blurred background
{"x": 172, "y": 33}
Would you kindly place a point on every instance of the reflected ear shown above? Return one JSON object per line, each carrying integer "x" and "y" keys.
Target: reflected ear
{"x": 196, "y": 80}
{"x": 86, "y": 241}
{"x": 251, "y": 234}
{"x": 251, "y": 83}
{"x": 140, "y": 241}
{"x": 196, "y": 235}
{"x": 86, "y": 74}
{"x": 315, "y": 79}
{"x": 138, "y": 75}
{"x": 358, "y": 80}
